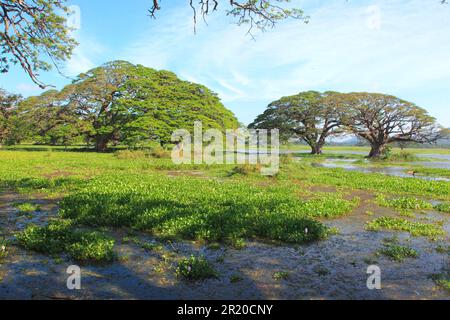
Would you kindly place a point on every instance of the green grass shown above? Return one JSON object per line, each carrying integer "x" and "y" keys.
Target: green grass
{"x": 443, "y": 207}
{"x": 371, "y": 182}
{"x": 195, "y": 268}
{"x": 402, "y": 156}
{"x": 134, "y": 190}
{"x": 397, "y": 252}
{"x": 200, "y": 209}
{"x": 398, "y": 224}
{"x": 27, "y": 207}
{"x": 62, "y": 237}
{"x": 404, "y": 203}
{"x": 442, "y": 280}
{"x": 280, "y": 275}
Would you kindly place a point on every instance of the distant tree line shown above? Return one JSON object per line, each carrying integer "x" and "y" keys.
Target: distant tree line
{"x": 116, "y": 103}
{"x": 376, "y": 118}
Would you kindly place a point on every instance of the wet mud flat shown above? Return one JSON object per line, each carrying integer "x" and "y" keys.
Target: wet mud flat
{"x": 335, "y": 268}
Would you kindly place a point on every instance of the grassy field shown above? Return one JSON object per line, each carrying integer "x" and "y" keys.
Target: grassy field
{"x": 194, "y": 202}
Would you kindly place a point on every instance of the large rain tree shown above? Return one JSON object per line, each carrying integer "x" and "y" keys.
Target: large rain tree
{"x": 119, "y": 102}
{"x": 34, "y": 35}
{"x": 309, "y": 116}
{"x": 384, "y": 119}
{"x": 46, "y": 119}
{"x": 95, "y": 97}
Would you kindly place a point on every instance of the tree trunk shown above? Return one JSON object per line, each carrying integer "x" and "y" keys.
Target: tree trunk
{"x": 101, "y": 143}
{"x": 316, "y": 149}
{"x": 377, "y": 151}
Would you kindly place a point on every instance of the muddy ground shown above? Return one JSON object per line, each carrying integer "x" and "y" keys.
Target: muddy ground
{"x": 331, "y": 269}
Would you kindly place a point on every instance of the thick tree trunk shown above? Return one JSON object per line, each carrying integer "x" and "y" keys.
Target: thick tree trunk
{"x": 377, "y": 151}
{"x": 316, "y": 149}
{"x": 101, "y": 143}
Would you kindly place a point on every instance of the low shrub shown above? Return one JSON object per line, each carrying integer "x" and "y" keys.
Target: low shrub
{"x": 245, "y": 169}
{"x": 62, "y": 237}
{"x": 160, "y": 153}
{"x": 130, "y": 154}
{"x": 195, "y": 268}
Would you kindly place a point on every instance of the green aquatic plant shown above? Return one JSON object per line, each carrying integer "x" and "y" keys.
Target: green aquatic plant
{"x": 62, "y": 237}
{"x": 397, "y": 252}
{"x": 404, "y": 203}
{"x": 199, "y": 209}
{"x": 399, "y": 224}
{"x": 443, "y": 207}
{"x": 195, "y": 268}
{"x": 27, "y": 207}
{"x": 280, "y": 275}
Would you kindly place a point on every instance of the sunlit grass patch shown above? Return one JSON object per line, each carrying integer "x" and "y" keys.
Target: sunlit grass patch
{"x": 195, "y": 268}
{"x": 200, "y": 209}
{"x": 399, "y": 224}
{"x": 62, "y": 237}
{"x": 404, "y": 203}
{"x": 372, "y": 182}
{"x": 27, "y": 207}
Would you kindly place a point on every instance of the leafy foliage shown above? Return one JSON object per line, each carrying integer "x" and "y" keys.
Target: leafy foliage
{"x": 119, "y": 102}
{"x": 310, "y": 116}
{"x": 404, "y": 203}
{"x": 31, "y": 29}
{"x": 195, "y": 268}
{"x": 383, "y": 119}
{"x": 399, "y": 224}
{"x": 202, "y": 209}
{"x": 398, "y": 253}
{"x": 62, "y": 237}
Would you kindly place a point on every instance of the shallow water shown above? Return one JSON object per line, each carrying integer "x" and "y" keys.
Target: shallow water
{"x": 331, "y": 269}
{"x": 391, "y": 171}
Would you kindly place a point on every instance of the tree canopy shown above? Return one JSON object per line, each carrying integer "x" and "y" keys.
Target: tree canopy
{"x": 119, "y": 102}
{"x": 376, "y": 118}
{"x": 384, "y": 119}
{"x": 310, "y": 116}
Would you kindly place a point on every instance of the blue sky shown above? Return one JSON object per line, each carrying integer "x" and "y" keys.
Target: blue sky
{"x": 399, "y": 47}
